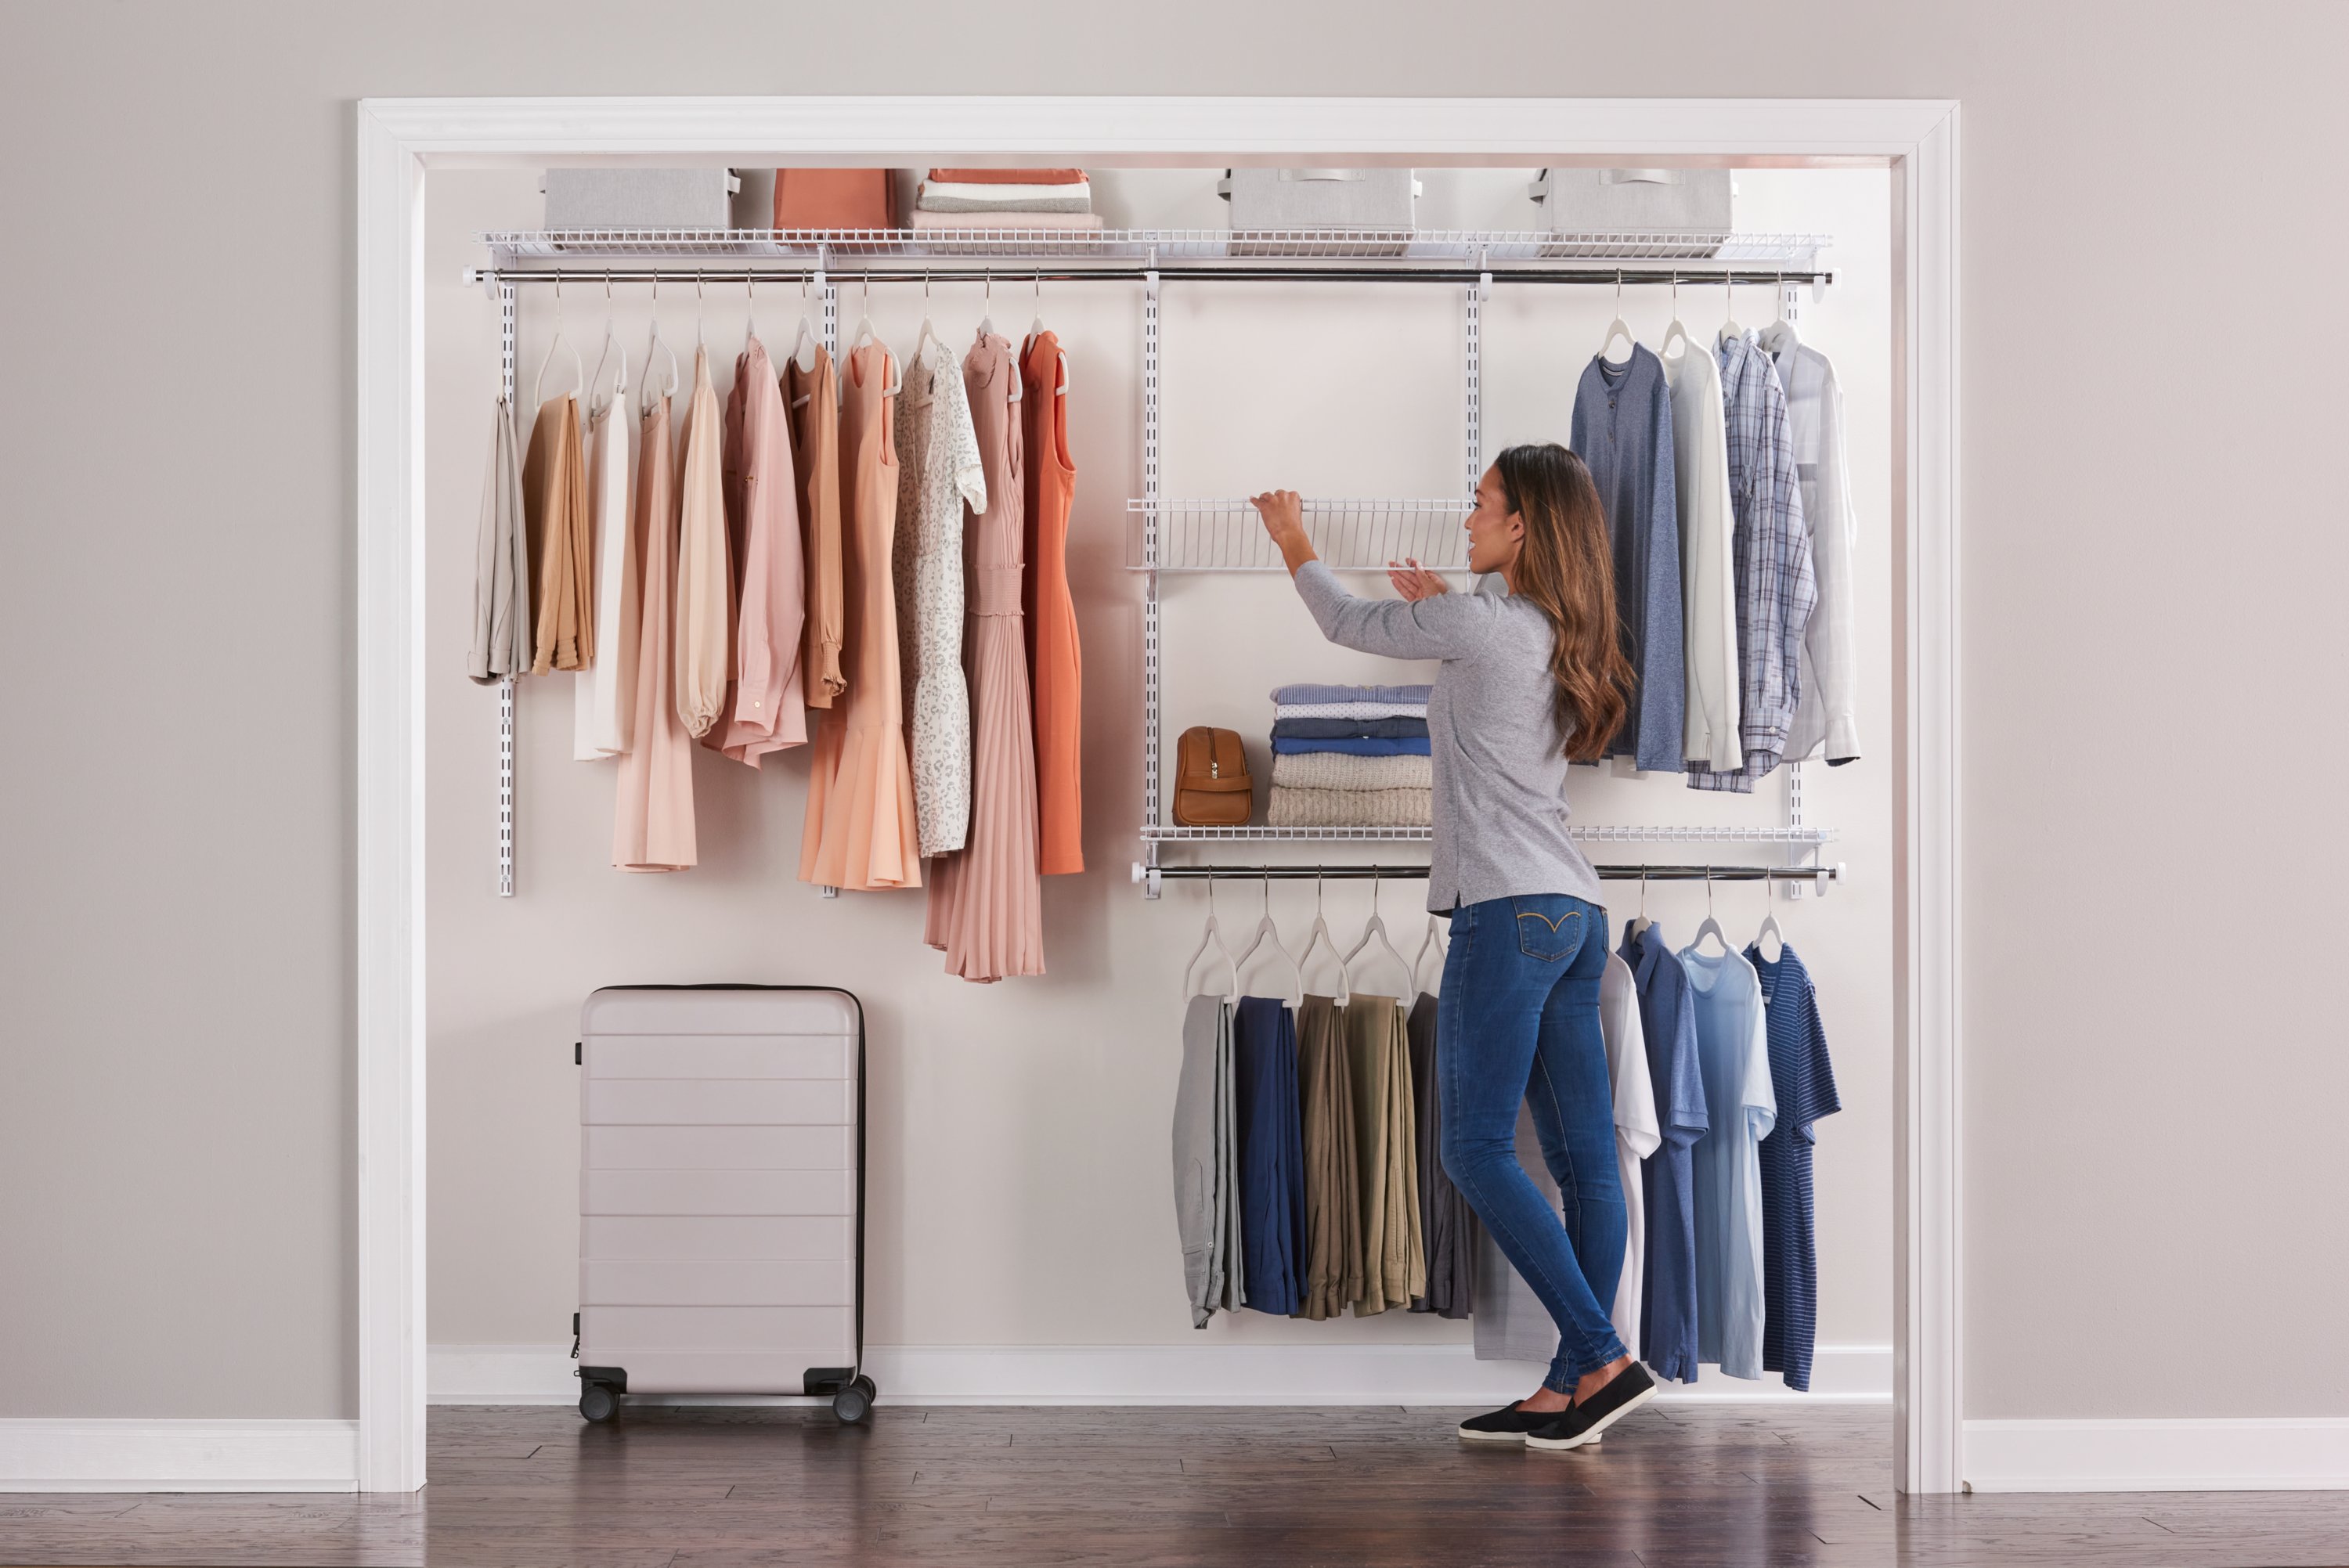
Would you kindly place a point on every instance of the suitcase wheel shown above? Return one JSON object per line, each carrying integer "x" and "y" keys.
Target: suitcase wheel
{"x": 854, "y": 1403}
{"x": 597, "y": 1402}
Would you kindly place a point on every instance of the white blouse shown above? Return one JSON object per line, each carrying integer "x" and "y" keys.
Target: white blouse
{"x": 604, "y": 693}
{"x": 1708, "y": 562}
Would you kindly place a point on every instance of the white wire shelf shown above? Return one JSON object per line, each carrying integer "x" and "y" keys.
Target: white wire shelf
{"x": 1173, "y": 833}
{"x": 1348, "y": 534}
{"x": 1694, "y": 255}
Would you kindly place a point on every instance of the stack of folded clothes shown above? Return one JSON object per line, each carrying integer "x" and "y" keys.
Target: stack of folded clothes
{"x": 952, "y": 199}
{"x": 1350, "y": 757}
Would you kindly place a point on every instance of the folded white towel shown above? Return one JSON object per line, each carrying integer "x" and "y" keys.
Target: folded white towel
{"x": 944, "y": 196}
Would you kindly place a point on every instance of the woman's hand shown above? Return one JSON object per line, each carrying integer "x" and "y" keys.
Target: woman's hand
{"x": 1284, "y": 518}
{"x": 1415, "y": 582}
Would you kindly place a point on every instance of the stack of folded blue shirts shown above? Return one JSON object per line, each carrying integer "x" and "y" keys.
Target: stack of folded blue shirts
{"x": 1350, "y": 757}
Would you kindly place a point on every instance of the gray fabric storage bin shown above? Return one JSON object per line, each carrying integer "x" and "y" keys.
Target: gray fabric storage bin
{"x": 1338, "y": 202}
{"x": 1689, "y": 206}
{"x": 639, "y": 198}
{"x": 1321, "y": 198}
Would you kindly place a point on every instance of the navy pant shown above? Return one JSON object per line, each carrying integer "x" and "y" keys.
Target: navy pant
{"x": 1517, "y": 1020}
{"x": 1272, "y": 1155}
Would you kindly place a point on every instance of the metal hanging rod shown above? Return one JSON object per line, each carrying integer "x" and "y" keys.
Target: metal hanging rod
{"x": 1309, "y": 271}
{"x": 1149, "y": 875}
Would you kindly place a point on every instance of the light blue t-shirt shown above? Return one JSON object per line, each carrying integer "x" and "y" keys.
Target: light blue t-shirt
{"x": 1734, "y": 1053}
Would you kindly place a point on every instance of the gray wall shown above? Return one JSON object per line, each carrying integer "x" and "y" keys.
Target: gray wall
{"x": 2154, "y": 538}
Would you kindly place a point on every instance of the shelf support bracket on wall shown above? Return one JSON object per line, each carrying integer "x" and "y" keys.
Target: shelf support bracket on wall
{"x": 1150, "y": 556}
{"x": 1473, "y": 379}
{"x": 505, "y": 289}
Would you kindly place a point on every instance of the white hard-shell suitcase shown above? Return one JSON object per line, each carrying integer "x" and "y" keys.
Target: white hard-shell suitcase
{"x": 722, "y": 1194}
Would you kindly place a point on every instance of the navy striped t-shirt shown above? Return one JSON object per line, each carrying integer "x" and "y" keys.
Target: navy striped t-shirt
{"x": 1803, "y": 1081}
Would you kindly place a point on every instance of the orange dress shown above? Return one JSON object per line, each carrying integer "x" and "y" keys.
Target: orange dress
{"x": 860, "y": 831}
{"x": 986, "y": 907}
{"x": 814, "y": 395}
{"x": 1053, "y": 664}
{"x": 561, "y": 538}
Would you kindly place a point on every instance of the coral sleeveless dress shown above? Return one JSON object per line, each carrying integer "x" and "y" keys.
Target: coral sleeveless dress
{"x": 1053, "y": 662}
{"x": 986, "y": 907}
{"x": 860, "y": 829}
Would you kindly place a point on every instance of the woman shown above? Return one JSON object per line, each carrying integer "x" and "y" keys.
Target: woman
{"x": 1530, "y": 678}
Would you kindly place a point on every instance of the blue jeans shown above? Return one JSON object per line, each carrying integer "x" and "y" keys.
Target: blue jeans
{"x": 1517, "y": 1020}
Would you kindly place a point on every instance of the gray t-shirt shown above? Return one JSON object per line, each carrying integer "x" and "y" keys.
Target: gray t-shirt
{"x": 1498, "y": 749}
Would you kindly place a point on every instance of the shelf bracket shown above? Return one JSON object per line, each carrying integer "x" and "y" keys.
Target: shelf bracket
{"x": 1473, "y": 380}
{"x": 1149, "y": 422}
{"x": 505, "y": 296}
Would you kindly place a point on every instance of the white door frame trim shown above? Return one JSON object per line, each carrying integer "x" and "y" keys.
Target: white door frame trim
{"x": 400, "y": 138}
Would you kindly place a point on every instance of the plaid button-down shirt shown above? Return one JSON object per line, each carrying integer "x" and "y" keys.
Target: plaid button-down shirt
{"x": 1772, "y": 558}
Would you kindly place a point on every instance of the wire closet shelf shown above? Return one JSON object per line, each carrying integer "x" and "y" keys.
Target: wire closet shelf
{"x": 1448, "y": 254}
{"x": 1601, "y": 833}
{"x": 1349, "y": 535}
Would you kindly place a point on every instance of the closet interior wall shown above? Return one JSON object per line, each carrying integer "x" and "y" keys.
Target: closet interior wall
{"x": 1017, "y": 1191}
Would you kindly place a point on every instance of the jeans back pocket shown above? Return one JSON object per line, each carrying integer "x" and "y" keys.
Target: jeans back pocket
{"x": 1549, "y": 935}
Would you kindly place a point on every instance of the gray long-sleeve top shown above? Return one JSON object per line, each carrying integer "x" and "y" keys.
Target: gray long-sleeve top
{"x": 1622, "y": 430}
{"x": 1494, "y": 737}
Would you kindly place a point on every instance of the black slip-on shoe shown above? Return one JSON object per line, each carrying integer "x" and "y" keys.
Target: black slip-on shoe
{"x": 1584, "y": 1421}
{"x": 1506, "y": 1425}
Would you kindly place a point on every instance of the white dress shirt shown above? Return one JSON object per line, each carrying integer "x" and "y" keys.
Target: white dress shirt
{"x": 1707, "y": 562}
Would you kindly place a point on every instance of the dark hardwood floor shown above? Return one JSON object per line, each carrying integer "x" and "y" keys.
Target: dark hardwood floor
{"x": 1693, "y": 1486}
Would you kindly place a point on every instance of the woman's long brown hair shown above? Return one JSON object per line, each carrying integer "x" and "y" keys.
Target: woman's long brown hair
{"x": 1567, "y": 568}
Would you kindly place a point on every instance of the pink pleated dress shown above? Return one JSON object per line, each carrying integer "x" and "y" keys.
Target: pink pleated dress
{"x": 986, "y": 901}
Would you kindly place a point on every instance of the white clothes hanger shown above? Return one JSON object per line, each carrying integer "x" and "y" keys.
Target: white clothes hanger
{"x": 928, "y": 334}
{"x": 578, "y": 367}
{"x": 1729, "y": 327}
{"x": 1769, "y": 929}
{"x": 804, "y": 348}
{"x": 1779, "y": 336}
{"x": 865, "y": 327}
{"x": 1640, "y": 923}
{"x": 987, "y": 308}
{"x": 596, "y": 405}
{"x": 751, "y": 318}
{"x": 701, "y": 339}
{"x": 1212, "y": 936}
{"x": 1036, "y": 330}
{"x": 1265, "y": 930}
{"x": 1711, "y": 927}
{"x": 866, "y": 334}
{"x": 1676, "y": 333}
{"x": 645, "y": 403}
{"x": 1617, "y": 328}
{"x": 1434, "y": 941}
{"x": 1375, "y": 928}
{"x": 1319, "y": 937}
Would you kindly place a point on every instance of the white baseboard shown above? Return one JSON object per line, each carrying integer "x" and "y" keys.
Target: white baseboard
{"x": 499, "y": 1375}
{"x": 1206, "y": 1374}
{"x": 2277, "y": 1454}
{"x": 68, "y": 1455}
